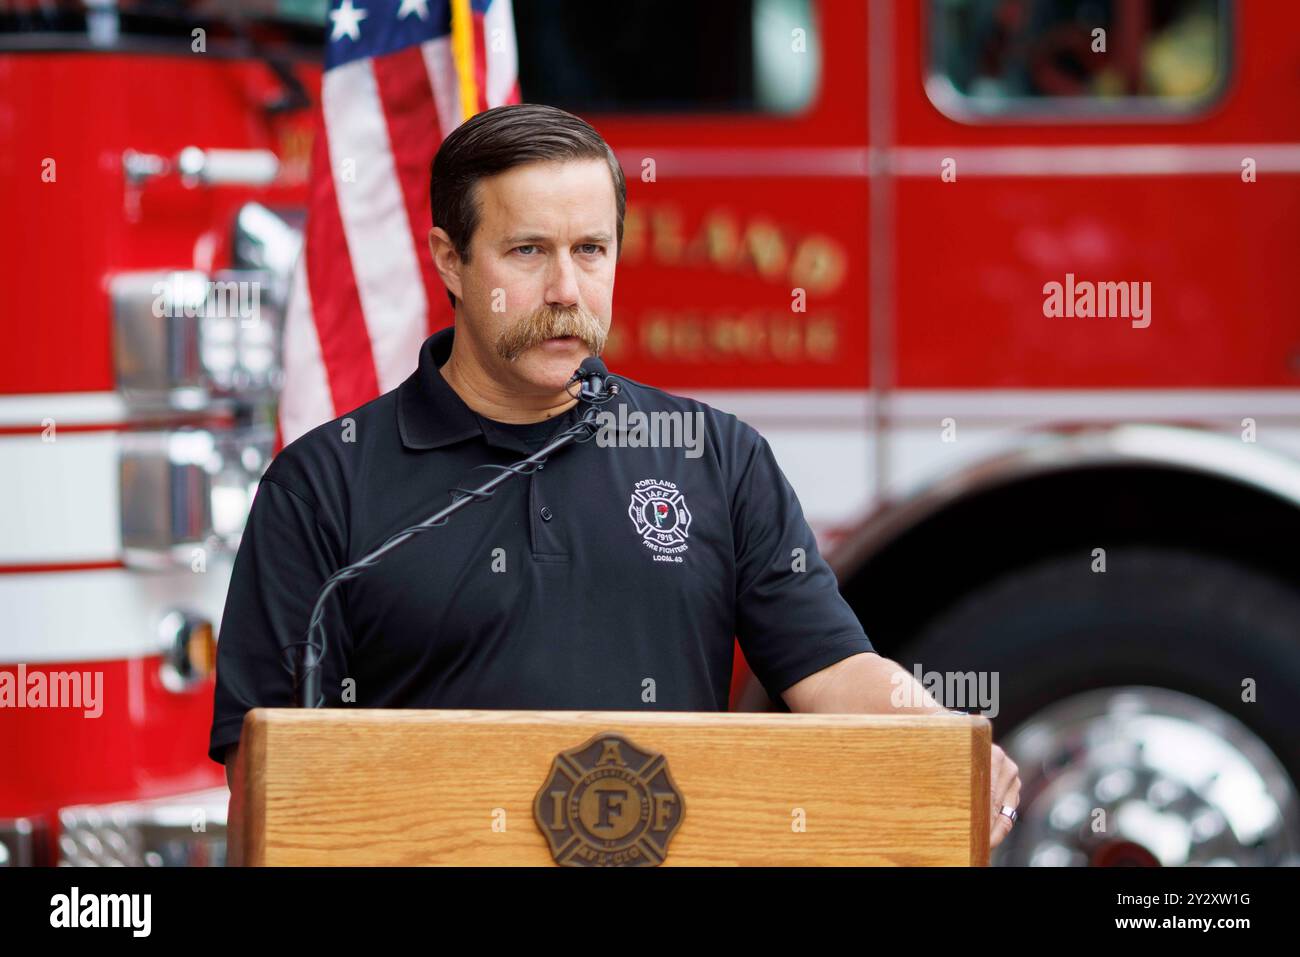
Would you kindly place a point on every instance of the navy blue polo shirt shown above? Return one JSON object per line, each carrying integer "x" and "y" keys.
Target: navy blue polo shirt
{"x": 614, "y": 578}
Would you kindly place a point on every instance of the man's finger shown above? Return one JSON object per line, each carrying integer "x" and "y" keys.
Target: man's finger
{"x": 1004, "y": 771}
{"x": 1000, "y": 825}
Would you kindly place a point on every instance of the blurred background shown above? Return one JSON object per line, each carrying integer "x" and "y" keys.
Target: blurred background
{"x": 1007, "y": 284}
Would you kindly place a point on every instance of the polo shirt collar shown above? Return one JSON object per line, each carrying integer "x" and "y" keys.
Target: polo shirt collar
{"x": 430, "y": 414}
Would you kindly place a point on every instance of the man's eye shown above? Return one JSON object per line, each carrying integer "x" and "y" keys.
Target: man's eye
{"x": 524, "y": 249}
{"x": 591, "y": 248}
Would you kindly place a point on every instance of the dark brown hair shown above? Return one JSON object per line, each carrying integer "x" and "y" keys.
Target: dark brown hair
{"x": 499, "y": 139}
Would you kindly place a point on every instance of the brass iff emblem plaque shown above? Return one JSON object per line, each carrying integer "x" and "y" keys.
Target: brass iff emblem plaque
{"x": 608, "y": 803}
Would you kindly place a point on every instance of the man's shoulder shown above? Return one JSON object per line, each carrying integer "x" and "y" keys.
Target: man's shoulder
{"x": 733, "y": 441}
{"x": 324, "y": 456}
{"x": 649, "y": 398}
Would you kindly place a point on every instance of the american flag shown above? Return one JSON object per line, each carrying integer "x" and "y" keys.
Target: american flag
{"x": 399, "y": 76}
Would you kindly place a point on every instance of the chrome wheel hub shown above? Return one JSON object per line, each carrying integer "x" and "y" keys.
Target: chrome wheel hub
{"x": 1147, "y": 776}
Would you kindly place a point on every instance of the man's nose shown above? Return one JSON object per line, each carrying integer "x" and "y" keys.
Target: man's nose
{"x": 562, "y": 281}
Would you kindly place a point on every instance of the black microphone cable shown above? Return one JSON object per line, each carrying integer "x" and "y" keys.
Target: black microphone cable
{"x": 303, "y": 658}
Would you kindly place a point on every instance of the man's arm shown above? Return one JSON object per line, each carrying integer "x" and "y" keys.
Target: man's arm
{"x": 872, "y": 684}
{"x": 234, "y": 811}
{"x": 862, "y": 684}
{"x": 285, "y": 555}
{"x": 232, "y": 753}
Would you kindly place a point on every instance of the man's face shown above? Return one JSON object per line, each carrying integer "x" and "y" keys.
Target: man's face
{"x": 537, "y": 291}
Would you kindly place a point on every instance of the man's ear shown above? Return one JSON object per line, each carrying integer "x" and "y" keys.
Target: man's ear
{"x": 446, "y": 260}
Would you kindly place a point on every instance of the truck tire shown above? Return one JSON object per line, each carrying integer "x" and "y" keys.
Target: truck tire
{"x": 1124, "y": 698}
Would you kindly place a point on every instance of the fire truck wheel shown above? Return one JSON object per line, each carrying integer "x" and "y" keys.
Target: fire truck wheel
{"x": 1151, "y": 708}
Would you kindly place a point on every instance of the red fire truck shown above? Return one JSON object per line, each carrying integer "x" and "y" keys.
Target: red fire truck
{"x": 1006, "y": 283}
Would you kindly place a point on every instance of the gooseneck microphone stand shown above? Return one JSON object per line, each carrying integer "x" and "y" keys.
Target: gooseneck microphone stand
{"x": 596, "y": 388}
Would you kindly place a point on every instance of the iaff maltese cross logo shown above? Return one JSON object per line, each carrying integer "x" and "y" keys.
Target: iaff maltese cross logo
{"x": 609, "y": 803}
{"x": 658, "y": 510}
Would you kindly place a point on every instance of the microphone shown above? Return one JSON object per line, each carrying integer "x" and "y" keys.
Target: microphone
{"x": 596, "y": 385}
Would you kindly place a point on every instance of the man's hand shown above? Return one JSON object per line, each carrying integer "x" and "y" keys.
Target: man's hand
{"x": 868, "y": 683}
{"x": 1006, "y": 790}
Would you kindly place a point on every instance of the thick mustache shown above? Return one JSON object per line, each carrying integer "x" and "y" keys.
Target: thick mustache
{"x": 560, "y": 324}
{"x": 551, "y": 323}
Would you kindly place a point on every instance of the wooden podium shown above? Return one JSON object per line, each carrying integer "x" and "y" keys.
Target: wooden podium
{"x": 404, "y": 787}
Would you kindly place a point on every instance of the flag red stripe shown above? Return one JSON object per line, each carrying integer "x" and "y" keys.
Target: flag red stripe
{"x": 407, "y": 99}
{"x": 336, "y": 306}
{"x": 480, "y": 61}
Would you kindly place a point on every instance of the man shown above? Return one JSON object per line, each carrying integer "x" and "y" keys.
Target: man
{"x": 613, "y": 578}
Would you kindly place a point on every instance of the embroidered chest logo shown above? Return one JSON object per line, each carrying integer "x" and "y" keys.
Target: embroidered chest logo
{"x": 658, "y": 510}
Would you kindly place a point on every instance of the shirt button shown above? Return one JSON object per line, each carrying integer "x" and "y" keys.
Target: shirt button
{"x": 546, "y": 513}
